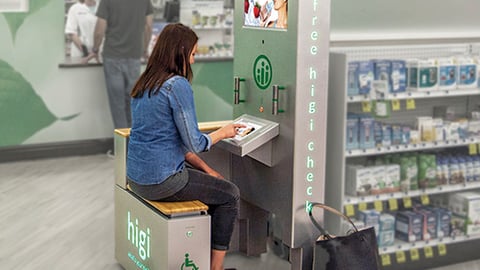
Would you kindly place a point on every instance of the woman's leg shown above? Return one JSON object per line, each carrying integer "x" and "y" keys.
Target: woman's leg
{"x": 222, "y": 198}
{"x": 216, "y": 261}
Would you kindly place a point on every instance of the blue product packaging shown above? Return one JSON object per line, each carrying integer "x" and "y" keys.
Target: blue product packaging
{"x": 370, "y": 218}
{"x": 378, "y": 131}
{"x": 447, "y": 70}
{"x": 398, "y": 77}
{"x": 382, "y": 71}
{"x": 467, "y": 73}
{"x": 386, "y": 222}
{"x": 405, "y": 135}
{"x": 386, "y": 238}
{"x": 429, "y": 223}
{"x": 365, "y": 77}
{"x": 387, "y": 135}
{"x": 367, "y": 132}
{"x": 352, "y": 83}
{"x": 409, "y": 226}
{"x": 352, "y": 133}
{"x": 444, "y": 219}
{"x": 396, "y": 134}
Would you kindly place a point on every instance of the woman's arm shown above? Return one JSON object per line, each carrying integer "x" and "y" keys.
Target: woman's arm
{"x": 199, "y": 164}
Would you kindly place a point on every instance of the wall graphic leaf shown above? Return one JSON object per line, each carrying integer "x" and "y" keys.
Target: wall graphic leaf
{"x": 22, "y": 111}
{"x": 16, "y": 19}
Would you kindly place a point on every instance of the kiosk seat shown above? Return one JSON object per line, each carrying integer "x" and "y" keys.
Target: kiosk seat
{"x": 173, "y": 209}
{"x": 158, "y": 235}
{"x": 177, "y": 208}
{"x": 167, "y": 208}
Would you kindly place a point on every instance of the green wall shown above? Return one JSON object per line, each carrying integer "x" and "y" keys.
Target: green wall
{"x": 42, "y": 103}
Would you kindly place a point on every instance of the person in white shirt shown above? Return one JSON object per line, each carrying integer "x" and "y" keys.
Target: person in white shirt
{"x": 80, "y": 27}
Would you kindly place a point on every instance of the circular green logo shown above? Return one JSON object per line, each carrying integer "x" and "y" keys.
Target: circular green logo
{"x": 262, "y": 72}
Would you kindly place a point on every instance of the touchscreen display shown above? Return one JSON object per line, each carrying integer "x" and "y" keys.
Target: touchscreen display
{"x": 268, "y": 14}
{"x": 245, "y": 131}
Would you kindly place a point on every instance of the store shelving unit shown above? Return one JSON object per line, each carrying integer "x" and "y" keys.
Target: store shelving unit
{"x": 401, "y": 255}
{"x": 213, "y": 23}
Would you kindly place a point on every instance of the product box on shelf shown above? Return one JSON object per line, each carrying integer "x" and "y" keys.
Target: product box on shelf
{"x": 465, "y": 207}
{"x": 427, "y": 171}
{"x": 422, "y": 74}
{"x": 396, "y": 134}
{"x": 386, "y": 222}
{"x": 398, "y": 78}
{"x": 444, "y": 218}
{"x": 425, "y": 125}
{"x": 386, "y": 135}
{"x": 455, "y": 173}
{"x": 406, "y": 134}
{"x": 358, "y": 180}
{"x": 378, "y": 179}
{"x": 382, "y": 70}
{"x": 386, "y": 238}
{"x": 408, "y": 226}
{"x": 360, "y": 76}
{"x": 447, "y": 70}
{"x": 367, "y": 132}
{"x": 353, "y": 125}
{"x": 451, "y": 130}
{"x": 463, "y": 128}
{"x": 438, "y": 129}
{"x": 370, "y": 218}
{"x": 408, "y": 171}
{"x": 467, "y": 72}
{"x": 346, "y": 227}
{"x": 473, "y": 127}
{"x": 442, "y": 170}
{"x": 392, "y": 178}
{"x": 429, "y": 223}
{"x": 378, "y": 133}
{"x": 414, "y": 136}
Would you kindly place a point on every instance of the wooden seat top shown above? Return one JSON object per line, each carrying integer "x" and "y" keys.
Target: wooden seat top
{"x": 172, "y": 208}
{"x": 203, "y": 126}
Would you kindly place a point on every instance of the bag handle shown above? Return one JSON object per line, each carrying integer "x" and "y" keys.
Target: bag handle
{"x": 332, "y": 210}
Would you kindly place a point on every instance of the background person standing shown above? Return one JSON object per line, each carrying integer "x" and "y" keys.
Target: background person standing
{"x": 80, "y": 26}
{"x": 127, "y": 28}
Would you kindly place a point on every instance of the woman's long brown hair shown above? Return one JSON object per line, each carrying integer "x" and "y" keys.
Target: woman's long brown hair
{"x": 170, "y": 57}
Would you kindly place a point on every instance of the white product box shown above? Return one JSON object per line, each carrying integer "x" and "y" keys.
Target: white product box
{"x": 425, "y": 126}
{"x": 438, "y": 129}
{"x": 378, "y": 179}
{"x": 392, "y": 178}
{"x": 358, "y": 180}
{"x": 466, "y": 206}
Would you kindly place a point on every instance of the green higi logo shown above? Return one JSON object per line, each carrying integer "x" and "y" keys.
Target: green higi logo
{"x": 262, "y": 72}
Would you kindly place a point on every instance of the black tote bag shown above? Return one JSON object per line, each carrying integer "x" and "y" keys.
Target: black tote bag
{"x": 355, "y": 251}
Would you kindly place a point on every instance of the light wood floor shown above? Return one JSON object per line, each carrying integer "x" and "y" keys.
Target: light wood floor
{"x": 58, "y": 214}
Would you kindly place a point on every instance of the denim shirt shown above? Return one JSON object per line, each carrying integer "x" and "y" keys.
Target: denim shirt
{"x": 164, "y": 129}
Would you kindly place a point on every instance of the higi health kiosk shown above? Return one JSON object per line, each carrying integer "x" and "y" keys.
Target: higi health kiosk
{"x": 281, "y": 71}
{"x": 277, "y": 161}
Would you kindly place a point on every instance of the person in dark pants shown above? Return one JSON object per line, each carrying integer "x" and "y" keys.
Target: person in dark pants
{"x": 164, "y": 138}
{"x": 127, "y": 28}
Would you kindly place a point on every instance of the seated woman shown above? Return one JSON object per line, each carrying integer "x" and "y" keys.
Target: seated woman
{"x": 164, "y": 138}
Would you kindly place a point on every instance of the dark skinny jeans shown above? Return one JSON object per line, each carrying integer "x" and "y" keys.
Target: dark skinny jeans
{"x": 221, "y": 196}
